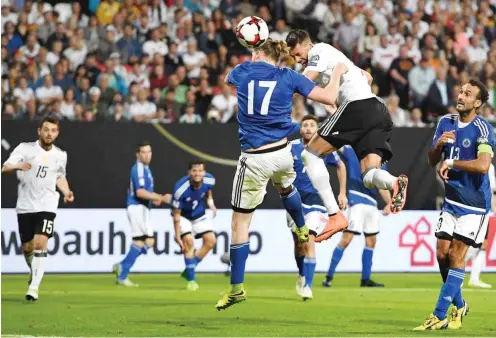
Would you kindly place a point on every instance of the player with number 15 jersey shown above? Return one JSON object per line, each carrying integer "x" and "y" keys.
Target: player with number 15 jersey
{"x": 265, "y": 94}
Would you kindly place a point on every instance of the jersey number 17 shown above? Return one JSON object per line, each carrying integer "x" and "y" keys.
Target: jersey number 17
{"x": 264, "y": 109}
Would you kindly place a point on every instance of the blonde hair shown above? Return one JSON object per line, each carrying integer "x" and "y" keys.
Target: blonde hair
{"x": 274, "y": 49}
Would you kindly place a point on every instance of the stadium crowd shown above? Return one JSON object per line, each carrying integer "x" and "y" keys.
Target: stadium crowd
{"x": 166, "y": 60}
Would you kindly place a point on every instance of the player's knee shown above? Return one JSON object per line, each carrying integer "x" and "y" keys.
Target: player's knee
{"x": 457, "y": 257}
{"x": 209, "y": 240}
{"x": 368, "y": 177}
{"x": 40, "y": 242}
{"x": 346, "y": 239}
{"x": 442, "y": 253}
{"x": 188, "y": 242}
{"x": 370, "y": 241}
{"x": 28, "y": 247}
{"x": 309, "y": 247}
{"x": 150, "y": 242}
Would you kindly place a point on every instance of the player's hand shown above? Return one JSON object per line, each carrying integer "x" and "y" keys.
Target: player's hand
{"x": 69, "y": 197}
{"x": 387, "y": 210}
{"x": 443, "y": 171}
{"x": 179, "y": 241}
{"x": 342, "y": 201}
{"x": 167, "y": 198}
{"x": 214, "y": 210}
{"x": 24, "y": 166}
{"x": 446, "y": 137}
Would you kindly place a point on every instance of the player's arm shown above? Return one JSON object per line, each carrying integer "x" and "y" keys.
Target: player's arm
{"x": 15, "y": 162}
{"x": 138, "y": 178}
{"x": 176, "y": 217}
{"x": 62, "y": 183}
{"x": 341, "y": 172}
{"x": 151, "y": 196}
{"x": 329, "y": 94}
{"x": 210, "y": 202}
{"x": 440, "y": 140}
{"x": 369, "y": 77}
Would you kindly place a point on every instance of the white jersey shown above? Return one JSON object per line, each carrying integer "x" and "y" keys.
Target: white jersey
{"x": 37, "y": 186}
{"x": 354, "y": 85}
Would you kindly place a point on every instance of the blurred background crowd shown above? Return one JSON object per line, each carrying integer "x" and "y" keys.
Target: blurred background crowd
{"x": 166, "y": 60}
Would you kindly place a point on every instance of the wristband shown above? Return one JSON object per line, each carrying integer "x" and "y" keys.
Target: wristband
{"x": 450, "y": 163}
{"x": 210, "y": 202}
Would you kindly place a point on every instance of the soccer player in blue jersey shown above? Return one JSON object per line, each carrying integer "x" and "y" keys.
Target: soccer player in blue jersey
{"x": 363, "y": 216}
{"x": 140, "y": 197}
{"x": 466, "y": 141}
{"x": 313, "y": 207}
{"x": 190, "y": 219}
{"x": 265, "y": 95}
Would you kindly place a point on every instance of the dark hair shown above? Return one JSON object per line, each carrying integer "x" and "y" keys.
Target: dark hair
{"x": 483, "y": 92}
{"x": 196, "y": 162}
{"x": 142, "y": 144}
{"x": 50, "y": 119}
{"x": 296, "y": 36}
{"x": 310, "y": 117}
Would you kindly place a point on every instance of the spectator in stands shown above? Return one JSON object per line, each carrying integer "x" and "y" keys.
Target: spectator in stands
{"x": 92, "y": 34}
{"x": 22, "y": 92}
{"x": 281, "y": 31}
{"x": 31, "y": 49}
{"x": 106, "y": 11}
{"x": 62, "y": 78}
{"x": 476, "y": 53}
{"x": 158, "y": 79}
{"x": 399, "y": 70}
{"x": 420, "y": 79}
{"x": 42, "y": 63}
{"x": 416, "y": 119}
{"x": 382, "y": 58}
{"x": 142, "y": 110}
{"x": 129, "y": 48}
{"x": 395, "y": 39}
{"x": 438, "y": 96}
{"x": 347, "y": 35}
{"x": 398, "y": 115}
{"x": 55, "y": 53}
{"x": 68, "y": 105}
{"x": 203, "y": 98}
{"x": 194, "y": 59}
{"x": 76, "y": 53}
{"x": 84, "y": 91}
{"x": 210, "y": 40}
{"x": 59, "y": 35}
{"x": 48, "y": 93}
{"x": 367, "y": 44}
{"x": 31, "y": 112}
{"x": 47, "y": 27}
{"x": 97, "y": 107}
{"x": 14, "y": 40}
{"x": 8, "y": 15}
{"x": 189, "y": 116}
{"x": 157, "y": 98}
{"x": 106, "y": 93}
{"x": 107, "y": 45}
{"x": 155, "y": 45}
{"x": 173, "y": 59}
{"x": 139, "y": 76}
{"x": 226, "y": 104}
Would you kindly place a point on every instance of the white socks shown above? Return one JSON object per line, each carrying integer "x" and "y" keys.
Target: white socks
{"x": 378, "y": 178}
{"x": 38, "y": 268}
{"x": 477, "y": 264}
{"x": 318, "y": 174}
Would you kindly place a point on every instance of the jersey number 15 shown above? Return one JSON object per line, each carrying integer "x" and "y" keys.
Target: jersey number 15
{"x": 264, "y": 110}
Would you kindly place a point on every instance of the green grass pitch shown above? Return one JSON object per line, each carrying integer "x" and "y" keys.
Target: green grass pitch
{"x": 92, "y": 305}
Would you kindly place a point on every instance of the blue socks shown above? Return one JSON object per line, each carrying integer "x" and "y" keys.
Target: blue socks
{"x": 239, "y": 255}
{"x": 299, "y": 263}
{"x": 309, "y": 270}
{"x": 367, "y": 262}
{"x": 197, "y": 260}
{"x": 449, "y": 291}
{"x": 128, "y": 261}
{"x": 144, "y": 249}
{"x": 190, "y": 268}
{"x": 292, "y": 204}
{"x": 336, "y": 258}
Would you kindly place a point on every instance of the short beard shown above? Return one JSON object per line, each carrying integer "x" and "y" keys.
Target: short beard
{"x": 45, "y": 145}
{"x": 465, "y": 112}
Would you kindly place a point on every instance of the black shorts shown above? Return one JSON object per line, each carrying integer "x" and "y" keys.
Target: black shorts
{"x": 36, "y": 223}
{"x": 364, "y": 124}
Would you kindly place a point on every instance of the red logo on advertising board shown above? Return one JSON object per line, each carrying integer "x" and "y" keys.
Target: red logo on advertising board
{"x": 412, "y": 237}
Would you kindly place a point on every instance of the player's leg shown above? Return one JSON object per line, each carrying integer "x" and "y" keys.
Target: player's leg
{"x": 249, "y": 188}
{"x": 337, "y": 254}
{"x": 444, "y": 235}
{"x": 209, "y": 241}
{"x": 189, "y": 260}
{"x": 43, "y": 231}
{"x": 370, "y": 231}
{"x": 26, "y": 224}
{"x": 142, "y": 235}
{"x": 299, "y": 255}
{"x": 477, "y": 264}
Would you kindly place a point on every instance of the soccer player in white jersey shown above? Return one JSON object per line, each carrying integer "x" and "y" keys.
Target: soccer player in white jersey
{"x": 41, "y": 169}
{"x": 362, "y": 121}
{"x": 478, "y": 255}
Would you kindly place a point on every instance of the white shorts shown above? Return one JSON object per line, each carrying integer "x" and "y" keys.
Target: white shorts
{"x": 470, "y": 229}
{"x": 197, "y": 227}
{"x": 139, "y": 218}
{"x": 363, "y": 218}
{"x": 254, "y": 172}
{"x": 315, "y": 221}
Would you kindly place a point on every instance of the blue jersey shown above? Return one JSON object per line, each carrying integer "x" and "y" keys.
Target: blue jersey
{"x": 357, "y": 192}
{"x": 466, "y": 193}
{"x": 191, "y": 201}
{"x": 265, "y": 98}
{"x": 141, "y": 178}
{"x": 309, "y": 196}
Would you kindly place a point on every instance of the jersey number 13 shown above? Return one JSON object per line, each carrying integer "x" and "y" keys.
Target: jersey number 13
{"x": 264, "y": 110}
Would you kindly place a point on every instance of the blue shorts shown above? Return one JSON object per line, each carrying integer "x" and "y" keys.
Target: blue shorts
{"x": 311, "y": 202}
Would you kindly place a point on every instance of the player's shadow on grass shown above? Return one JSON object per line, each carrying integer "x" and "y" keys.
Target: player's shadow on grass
{"x": 290, "y": 299}
{"x": 20, "y": 300}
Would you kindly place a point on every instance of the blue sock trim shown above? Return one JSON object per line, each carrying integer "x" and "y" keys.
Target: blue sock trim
{"x": 144, "y": 249}
{"x": 309, "y": 269}
{"x": 299, "y": 264}
{"x": 197, "y": 260}
{"x": 367, "y": 255}
{"x": 128, "y": 261}
{"x": 292, "y": 204}
{"x": 238, "y": 254}
{"x": 449, "y": 292}
{"x": 190, "y": 268}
